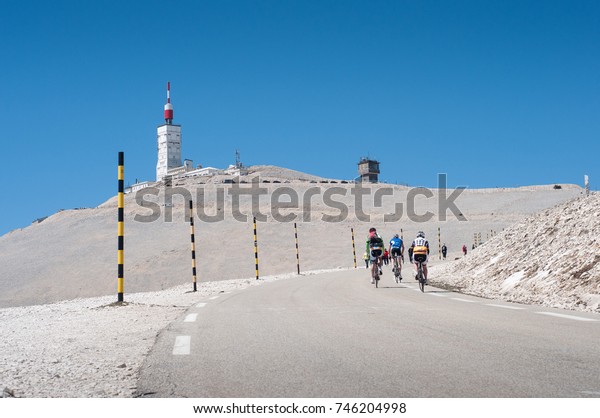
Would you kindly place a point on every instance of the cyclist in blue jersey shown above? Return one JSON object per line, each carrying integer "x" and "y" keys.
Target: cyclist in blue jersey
{"x": 397, "y": 251}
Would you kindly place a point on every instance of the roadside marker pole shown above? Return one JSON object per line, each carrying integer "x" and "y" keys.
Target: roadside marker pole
{"x": 401, "y": 234}
{"x": 121, "y": 227}
{"x": 353, "y": 247}
{"x": 193, "y": 245}
{"x": 255, "y": 249}
{"x": 297, "y": 251}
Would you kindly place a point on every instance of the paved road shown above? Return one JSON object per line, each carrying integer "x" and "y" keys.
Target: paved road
{"x": 335, "y": 335}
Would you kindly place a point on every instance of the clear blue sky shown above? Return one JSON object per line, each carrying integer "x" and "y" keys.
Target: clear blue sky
{"x": 494, "y": 93}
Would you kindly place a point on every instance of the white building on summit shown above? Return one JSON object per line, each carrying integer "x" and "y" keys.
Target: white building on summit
{"x": 169, "y": 143}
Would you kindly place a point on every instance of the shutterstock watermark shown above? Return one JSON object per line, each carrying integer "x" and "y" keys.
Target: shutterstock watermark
{"x": 284, "y": 203}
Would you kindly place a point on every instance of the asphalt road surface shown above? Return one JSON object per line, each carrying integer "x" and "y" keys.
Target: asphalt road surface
{"x": 336, "y": 335}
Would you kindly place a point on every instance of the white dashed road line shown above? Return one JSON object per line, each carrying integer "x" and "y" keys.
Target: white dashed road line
{"x": 201, "y": 305}
{"x": 182, "y": 345}
{"x": 213, "y": 298}
{"x": 576, "y": 318}
{"x": 504, "y": 306}
{"x": 191, "y": 317}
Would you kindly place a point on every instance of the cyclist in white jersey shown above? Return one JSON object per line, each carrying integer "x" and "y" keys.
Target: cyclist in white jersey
{"x": 420, "y": 251}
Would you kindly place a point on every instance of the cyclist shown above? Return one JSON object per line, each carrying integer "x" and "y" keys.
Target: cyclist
{"x": 420, "y": 253}
{"x": 397, "y": 251}
{"x": 375, "y": 250}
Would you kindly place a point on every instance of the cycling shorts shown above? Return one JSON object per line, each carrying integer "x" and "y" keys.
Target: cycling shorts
{"x": 376, "y": 253}
{"x": 396, "y": 252}
{"x": 422, "y": 258}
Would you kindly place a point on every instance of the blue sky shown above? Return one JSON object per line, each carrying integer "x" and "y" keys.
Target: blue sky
{"x": 494, "y": 93}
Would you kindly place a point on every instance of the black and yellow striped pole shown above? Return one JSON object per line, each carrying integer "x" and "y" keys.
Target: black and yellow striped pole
{"x": 297, "y": 250}
{"x": 439, "y": 243}
{"x": 353, "y": 246}
{"x": 193, "y": 245}
{"x": 121, "y": 228}
{"x": 255, "y": 249}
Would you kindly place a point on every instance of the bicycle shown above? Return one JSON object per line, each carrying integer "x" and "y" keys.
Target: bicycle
{"x": 396, "y": 270}
{"x": 375, "y": 271}
{"x": 421, "y": 276}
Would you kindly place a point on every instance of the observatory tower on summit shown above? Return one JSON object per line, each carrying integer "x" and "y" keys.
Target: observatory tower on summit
{"x": 169, "y": 142}
{"x": 368, "y": 170}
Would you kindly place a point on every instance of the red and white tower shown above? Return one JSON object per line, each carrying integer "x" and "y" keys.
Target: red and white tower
{"x": 169, "y": 142}
{"x": 169, "y": 106}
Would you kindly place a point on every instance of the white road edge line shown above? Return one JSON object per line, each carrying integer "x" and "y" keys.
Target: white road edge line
{"x": 191, "y": 317}
{"x": 463, "y": 300}
{"x": 576, "y": 318}
{"x": 213, "y": 298}
{"x": 182, "y": 345}
{"x": 201, "y": 305}
{"x": 436, "y": 294}
{"x": 504, "y": 306}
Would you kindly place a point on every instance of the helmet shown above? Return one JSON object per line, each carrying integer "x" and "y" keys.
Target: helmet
{"x": 396, "y": 236}
{"x": 420, "y": 234}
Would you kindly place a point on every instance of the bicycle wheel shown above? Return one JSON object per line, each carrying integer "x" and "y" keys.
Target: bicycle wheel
{"x": 421, "y": 279}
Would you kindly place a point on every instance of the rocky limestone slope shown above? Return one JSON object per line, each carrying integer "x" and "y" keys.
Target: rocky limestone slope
{"x": 550, "y": 258}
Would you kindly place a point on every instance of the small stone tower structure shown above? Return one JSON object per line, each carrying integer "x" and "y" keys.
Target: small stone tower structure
{"x": 368, "y": 170}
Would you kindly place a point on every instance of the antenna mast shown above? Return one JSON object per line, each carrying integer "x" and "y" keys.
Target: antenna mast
{"x": 238, "y": 163}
